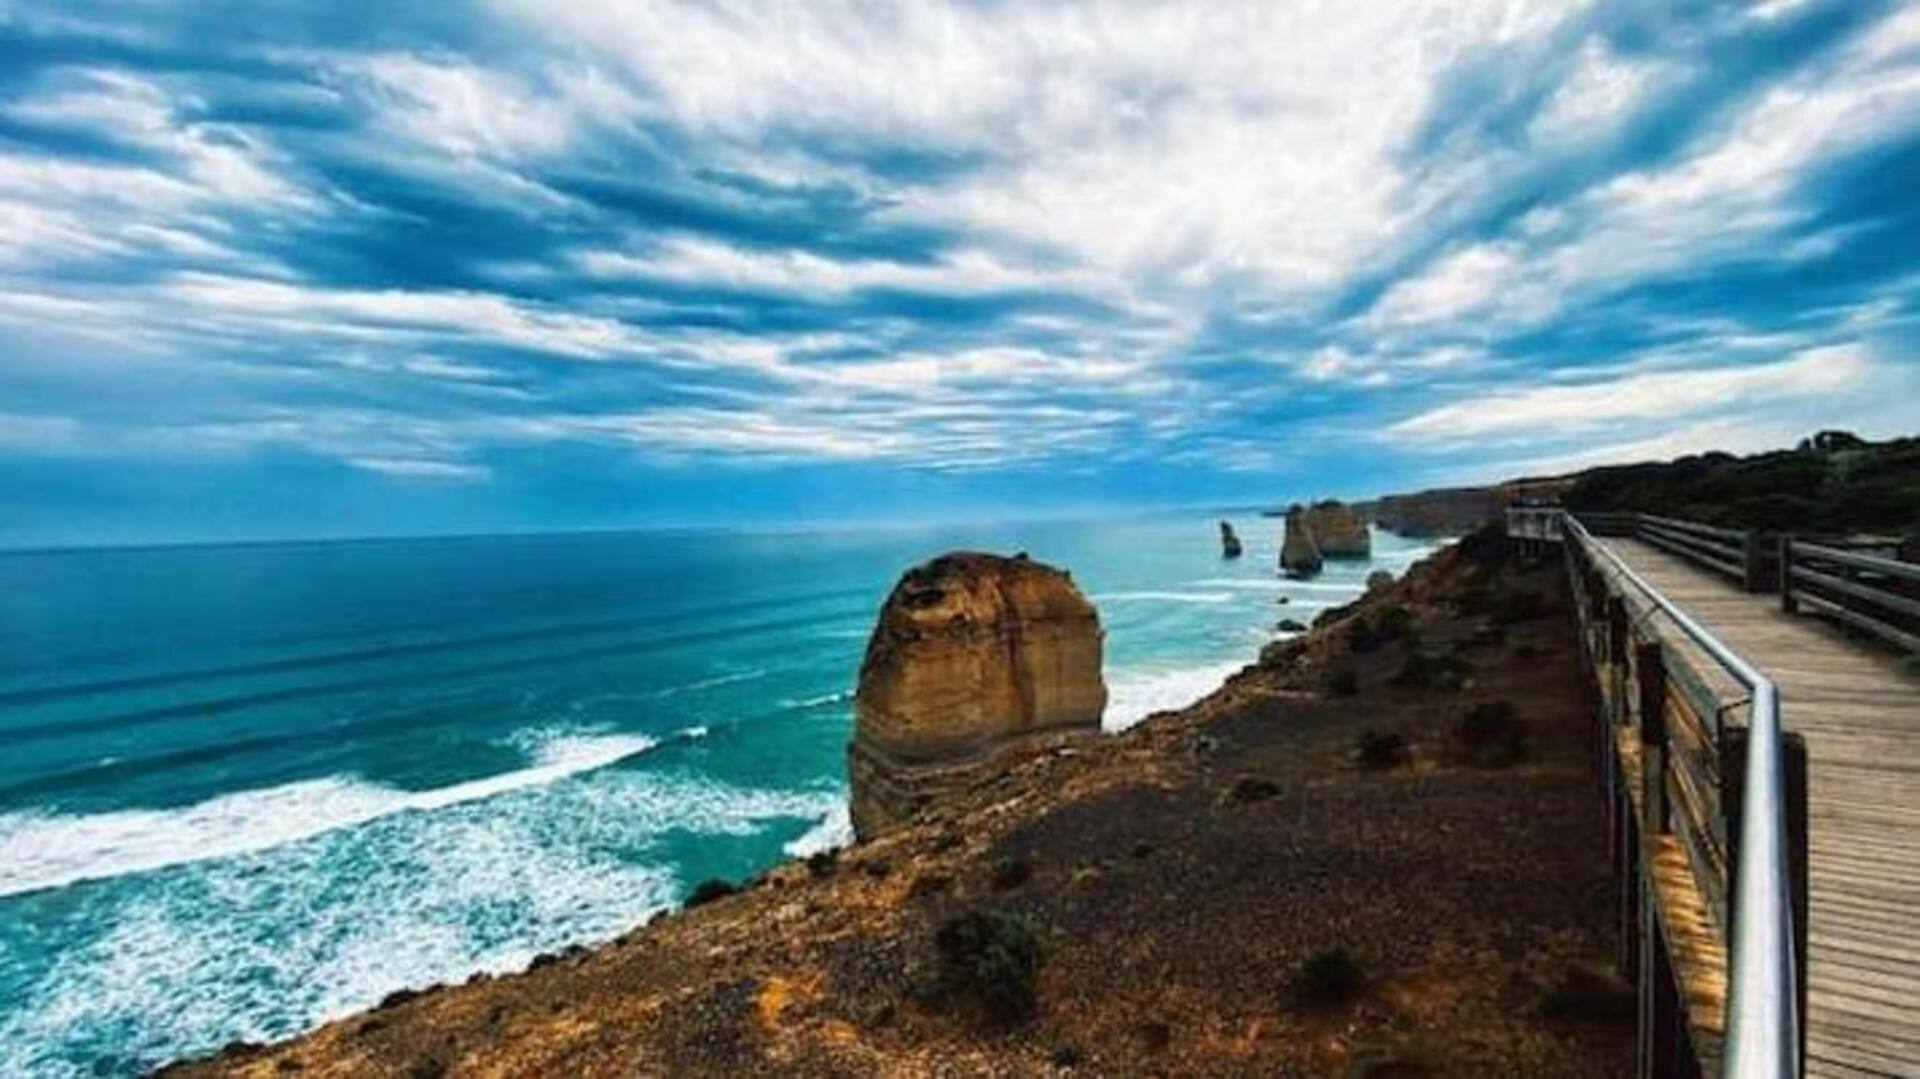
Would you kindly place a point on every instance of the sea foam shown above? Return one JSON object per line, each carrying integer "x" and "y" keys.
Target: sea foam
{"x": 265, "y": 944}
{"x": 51, "y": 850}
{"x": 1134, "y": 695}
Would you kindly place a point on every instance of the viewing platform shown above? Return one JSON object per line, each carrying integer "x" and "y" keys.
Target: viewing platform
{"x": 1756, "y": 694}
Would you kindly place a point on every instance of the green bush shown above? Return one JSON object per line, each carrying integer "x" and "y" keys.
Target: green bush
{"x": 1381, "y": 750}
{"x": 1343, "y": 682}
{"x": 1491, "y": 734}
{"x": 992, "y": 959}
{"x": 1329, "y": 978}
{"x": 1010, "y": 872}
{"x": 1421, "y": 671}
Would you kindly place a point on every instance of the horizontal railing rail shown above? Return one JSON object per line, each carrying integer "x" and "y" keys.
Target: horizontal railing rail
{"x": 1875, "y": 595}
{"x": 1833, "y": 578}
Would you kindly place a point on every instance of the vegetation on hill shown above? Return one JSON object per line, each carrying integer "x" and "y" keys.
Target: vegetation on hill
{"x": 1832, "y": 482}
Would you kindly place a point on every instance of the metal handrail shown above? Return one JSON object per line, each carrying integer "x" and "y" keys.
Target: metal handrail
{"x": 1763, "y": 1022}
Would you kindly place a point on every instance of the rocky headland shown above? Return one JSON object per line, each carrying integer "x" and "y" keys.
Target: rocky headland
{"x": 1371, "y": 853}
{"x": 1338, "y": 530}
{"x": 1327, "y": 529}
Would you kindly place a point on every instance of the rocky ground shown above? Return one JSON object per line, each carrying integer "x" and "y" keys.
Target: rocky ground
{"x": 1379, "y": 851}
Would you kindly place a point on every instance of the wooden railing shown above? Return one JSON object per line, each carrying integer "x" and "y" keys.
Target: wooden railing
{"x": 1707, "y": 804}
{"x": 1875, "y": 595}
{"x": 1869, "y": 593}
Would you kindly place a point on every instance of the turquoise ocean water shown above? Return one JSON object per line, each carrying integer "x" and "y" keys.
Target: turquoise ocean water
{"x": 244, "y": 789}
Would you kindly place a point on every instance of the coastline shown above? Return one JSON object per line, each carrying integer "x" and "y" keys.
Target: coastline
{"x": 881, "y": 899}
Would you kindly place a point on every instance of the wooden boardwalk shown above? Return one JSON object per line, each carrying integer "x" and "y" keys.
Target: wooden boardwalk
{"x": 1858, "y": 708}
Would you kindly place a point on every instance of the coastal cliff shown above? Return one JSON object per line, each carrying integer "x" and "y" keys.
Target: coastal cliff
{"x": 1338, "y": 530}
{"x": 1333, "y": 865}
{"x": 970, "y": 653}
{"x": 1299, "y": 554}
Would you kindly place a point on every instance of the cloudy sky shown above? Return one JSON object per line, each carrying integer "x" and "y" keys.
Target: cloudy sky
{"x": 299, "y": 268}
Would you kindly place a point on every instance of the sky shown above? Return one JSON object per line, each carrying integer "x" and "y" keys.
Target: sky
{"x": 289, "y": 268}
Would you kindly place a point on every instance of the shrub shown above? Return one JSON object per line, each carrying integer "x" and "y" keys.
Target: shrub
{"x": 1329, "y": 978}
{"x": 1343, "y": 682}
{"x": 709, "y": 890}
{"x": 1249, "y": 789}
{"x": 1380, "y": 750}
{"x": 1491, "y": 735}
{"x": 1393, "y": 622}
{"x": 1066, "y": 1055}
{"x": 1421, "y": 671}
{"x": 1486, "y": 545}
{"x": 1009, "y": 873}
{"x": 1384, "y": 626}
{"x": 823, "y": 863}
{"x": 992, "y": 959}
{"x": 1589, "y": 995}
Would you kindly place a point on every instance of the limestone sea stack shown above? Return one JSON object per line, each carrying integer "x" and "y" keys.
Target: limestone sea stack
{"x": 1339, "y": 530}
{"x": 1299, "y": 555}
{"x": 1229, "y": 543}
{"x": 972, "y": 654}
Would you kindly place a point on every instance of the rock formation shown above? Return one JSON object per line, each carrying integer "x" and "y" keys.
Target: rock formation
{"x": 1338, "y": 530}
{"x": 972, "y": 653}
{"x": 1229, "y": 543}
{"x": 1378, "y": 580}
{"x": 1299, "y": 554}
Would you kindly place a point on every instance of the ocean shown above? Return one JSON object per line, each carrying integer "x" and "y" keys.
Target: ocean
{"x": 245, "y": 789}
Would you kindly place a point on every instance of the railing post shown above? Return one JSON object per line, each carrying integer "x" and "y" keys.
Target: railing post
{"x": 1787, "y": 602}
{"x": 1617, "y": 647}
{"x": 1756, "y": 548}
{"x": 1650, "y": 671}
{"x": 1659, "y": 1031}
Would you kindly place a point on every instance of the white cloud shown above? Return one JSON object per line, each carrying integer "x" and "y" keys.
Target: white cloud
{"x": 475, "y": 315}
{"x": 1553, "y": 411}
{"x": 26, "y": 432}
{"x": 693, "y": 260}
{"x": 1466, "y": 282}
{"x": 1191, "y": 143}
{"x": 414, "y": 468}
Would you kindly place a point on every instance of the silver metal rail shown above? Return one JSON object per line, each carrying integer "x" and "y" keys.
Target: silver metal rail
{"x": 1763, "y": 1022}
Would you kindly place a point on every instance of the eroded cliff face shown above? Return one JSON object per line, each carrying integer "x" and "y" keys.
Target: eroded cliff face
{"x": 1299, "y": 554}
{"x": 1339, "y": 530}
{"x": 971, "y": 652}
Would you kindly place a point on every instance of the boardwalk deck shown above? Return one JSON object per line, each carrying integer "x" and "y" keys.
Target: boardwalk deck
{"x": 1859, "y": 710}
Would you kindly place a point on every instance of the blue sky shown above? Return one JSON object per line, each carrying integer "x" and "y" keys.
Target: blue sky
{"x": 293, "y": 268}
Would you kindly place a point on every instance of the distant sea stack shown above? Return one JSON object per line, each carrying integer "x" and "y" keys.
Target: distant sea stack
{"x": 1339, "y": 530}
{"x": 972, "y": 653}
{"x": 1229, "y": 543}
{"x": 1299, "y": 554}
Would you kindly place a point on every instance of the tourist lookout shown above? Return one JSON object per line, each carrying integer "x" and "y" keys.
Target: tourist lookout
{"x": 1757, "y": 737}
